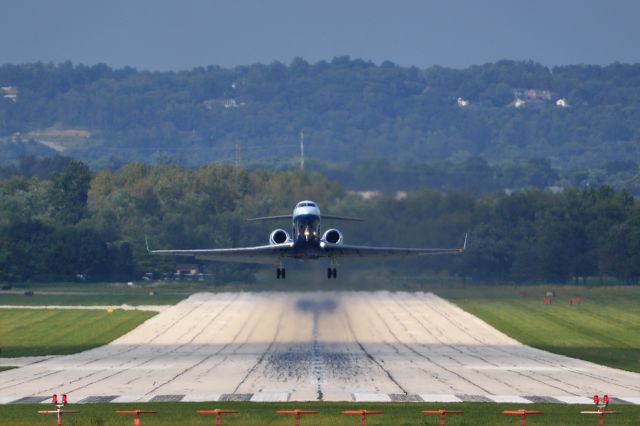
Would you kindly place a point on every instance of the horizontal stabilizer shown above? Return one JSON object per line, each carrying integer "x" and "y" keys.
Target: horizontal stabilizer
{"x": 346, "y": 219}
{"x": 284, "y": 216}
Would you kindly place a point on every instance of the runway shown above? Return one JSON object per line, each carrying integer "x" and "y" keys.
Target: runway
{"x": 345, "y": 346}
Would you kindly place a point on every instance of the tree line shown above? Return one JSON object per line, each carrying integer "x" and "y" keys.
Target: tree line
{"x": 77, "y": 222}
{"x": 474, "y": 175}
{"x": 346, "y": 106}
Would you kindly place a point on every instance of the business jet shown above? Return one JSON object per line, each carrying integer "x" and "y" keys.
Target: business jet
{"x": 305, "y": 243}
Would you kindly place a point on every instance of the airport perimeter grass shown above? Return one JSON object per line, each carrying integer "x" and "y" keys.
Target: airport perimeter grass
{"x": 142, "y": 293}
{"x": 28, "y": 332}
{"x": 604, "y": 328}
{"x": 256, "y": 414}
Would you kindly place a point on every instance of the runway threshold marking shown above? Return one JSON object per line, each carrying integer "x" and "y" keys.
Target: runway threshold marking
{"x": 358, "y": 397}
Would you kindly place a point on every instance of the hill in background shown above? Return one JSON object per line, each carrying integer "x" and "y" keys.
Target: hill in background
{"x": 576, "y": 116}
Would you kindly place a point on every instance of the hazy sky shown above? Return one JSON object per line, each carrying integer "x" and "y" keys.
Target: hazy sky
{"x": 182, "y": 34}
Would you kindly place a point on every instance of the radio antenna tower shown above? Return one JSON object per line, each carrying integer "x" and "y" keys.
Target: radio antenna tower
{"x": 302, "y": 149}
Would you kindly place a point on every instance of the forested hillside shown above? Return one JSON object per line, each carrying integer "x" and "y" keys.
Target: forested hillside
{"x": 578, "y": 117}
{"x": 78, "y": 222}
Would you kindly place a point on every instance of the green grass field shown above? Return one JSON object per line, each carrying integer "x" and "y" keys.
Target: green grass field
{"x": 155, "y": 293}
{"x": 28, "y": 332}
{"x": 604, "y": 328}
{"x": 256, "y": 414}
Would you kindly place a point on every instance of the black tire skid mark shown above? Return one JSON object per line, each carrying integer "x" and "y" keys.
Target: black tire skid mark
{"x": 425, "y": 357}
{"x": 369, "y": 356}
{"x": 262, "y": 356}
{"x": 218, "y": 352}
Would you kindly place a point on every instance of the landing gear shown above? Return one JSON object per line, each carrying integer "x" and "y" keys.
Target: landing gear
{"x": 332, "y": 273}
{"x": 281, "y": 273}
{"x": 331, "y": 270}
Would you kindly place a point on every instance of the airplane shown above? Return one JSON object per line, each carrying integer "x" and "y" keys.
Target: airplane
{"x": 305, "y": 243}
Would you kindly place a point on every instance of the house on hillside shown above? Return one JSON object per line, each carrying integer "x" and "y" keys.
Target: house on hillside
{"x": 531, "y": 97}
{"x": 224, "y": 103}
{"x": 10, "y": 93}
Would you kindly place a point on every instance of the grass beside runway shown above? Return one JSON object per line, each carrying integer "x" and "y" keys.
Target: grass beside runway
{"x": 256, "y": 414}
{"x": 155, "y": 293}
{"x": 604, "y": 328}
{"x": 29, "y": 332}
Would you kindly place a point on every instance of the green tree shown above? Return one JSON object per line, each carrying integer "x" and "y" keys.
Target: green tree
{"x": 69, "y": 191}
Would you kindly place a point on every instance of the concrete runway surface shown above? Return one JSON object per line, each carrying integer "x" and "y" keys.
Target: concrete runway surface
{"x": 343, "y": 346}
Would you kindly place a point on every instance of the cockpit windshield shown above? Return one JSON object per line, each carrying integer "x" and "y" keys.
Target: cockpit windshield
{"x": 306, "y": 204}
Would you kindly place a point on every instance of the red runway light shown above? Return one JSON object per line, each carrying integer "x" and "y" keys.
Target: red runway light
{"x": 59, "y": 411}
{"x": 522, "y": 413}
{"x": 218, "y": 413}
{"x": 596, "y": 399}
{"x": 600, "y": 413}
{"x": 136, "y": 414}
{"x": 442, "y": 414}
{"x": 363, "y": 414}
{"x": 606, "y": 399}
{"x": 297, "y": 414}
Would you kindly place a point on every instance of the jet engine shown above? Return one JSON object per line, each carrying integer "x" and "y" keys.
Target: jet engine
{"x": 332, "y": 236}
{"x": 279, "y": 236}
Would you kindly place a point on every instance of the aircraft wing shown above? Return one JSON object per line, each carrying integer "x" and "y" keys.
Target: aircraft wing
{"x": 260, "y": 254}
{"x": 364, "y": 252}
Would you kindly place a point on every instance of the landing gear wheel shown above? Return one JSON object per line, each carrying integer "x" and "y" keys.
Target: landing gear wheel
{"x": 332, "y": 273}
{"x": 281, "y": 273}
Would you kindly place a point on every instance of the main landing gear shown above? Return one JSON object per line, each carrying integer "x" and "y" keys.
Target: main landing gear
{"x": 281, "y": 273}
{"x": 332, "y": 273}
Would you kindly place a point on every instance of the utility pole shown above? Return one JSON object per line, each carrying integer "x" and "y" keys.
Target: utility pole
{"x": 238, "y": 156}
{"x": 302, "y": 150}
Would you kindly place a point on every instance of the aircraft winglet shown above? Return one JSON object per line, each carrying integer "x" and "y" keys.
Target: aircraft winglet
{"x": 146, "y": 241}
{"x": 464, "y": 246}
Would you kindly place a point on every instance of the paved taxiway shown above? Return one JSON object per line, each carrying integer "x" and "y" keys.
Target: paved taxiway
{"x": 310, "y": 346}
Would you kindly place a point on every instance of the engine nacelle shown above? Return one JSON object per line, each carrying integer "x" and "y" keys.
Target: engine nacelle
{"x": 332, "y": 236}
{"x": 279, "y": 236}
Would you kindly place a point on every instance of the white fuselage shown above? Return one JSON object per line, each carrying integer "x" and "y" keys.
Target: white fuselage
{"x": 306, "y": 224}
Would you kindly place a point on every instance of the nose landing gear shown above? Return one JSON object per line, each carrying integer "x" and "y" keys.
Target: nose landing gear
{"x": 281, "y": 273}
